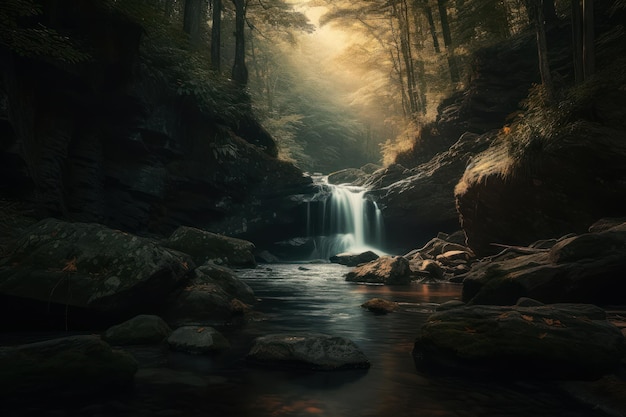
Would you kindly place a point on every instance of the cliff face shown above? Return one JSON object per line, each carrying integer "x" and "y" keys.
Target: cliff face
{"x": 112, "y": 140}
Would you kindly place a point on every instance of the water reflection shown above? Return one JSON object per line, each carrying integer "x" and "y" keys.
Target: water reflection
{"x": 320, "y": 300}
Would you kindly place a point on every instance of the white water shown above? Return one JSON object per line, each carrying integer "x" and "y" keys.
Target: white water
{"x": 341, "y": 219}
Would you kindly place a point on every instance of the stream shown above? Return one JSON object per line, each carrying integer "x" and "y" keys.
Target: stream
{"x": 316, "y": 298}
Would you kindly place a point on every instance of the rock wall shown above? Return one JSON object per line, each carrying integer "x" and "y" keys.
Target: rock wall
{"x": 111, "y": 141}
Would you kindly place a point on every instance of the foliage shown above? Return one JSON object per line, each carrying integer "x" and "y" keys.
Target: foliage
{"x": 168, "y": 56}
{"x": 22, "y": 32}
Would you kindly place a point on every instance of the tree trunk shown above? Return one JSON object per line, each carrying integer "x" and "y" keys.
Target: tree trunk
{"x": 549, "y": 11}
{"x": 431, "y": 26}
{"x": 193, "y": 19}
{"x": 577, "y": 41}
{"x": 216, "y": 35}
{"x": 589, "y": 58}
{"x": 535, "y": 9}
{"x": 447, "y": 40}
{"x": 240, "y": 71}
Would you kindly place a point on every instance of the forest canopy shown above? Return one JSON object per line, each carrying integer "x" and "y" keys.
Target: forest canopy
{"x": 337, "y": 83}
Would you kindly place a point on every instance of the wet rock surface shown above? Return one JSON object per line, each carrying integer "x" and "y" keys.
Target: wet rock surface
{"x": 142, "y": 329}
{"x": 384, "y": 270}
{"x": 559, "y": 341}
{"x": 69, "y": 366}
{"x": 353, "y": 259}
{"x": 307, "y": 350}
{"x": 197, "y": 340}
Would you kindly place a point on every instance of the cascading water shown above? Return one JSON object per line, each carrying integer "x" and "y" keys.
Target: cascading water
{"x": 341, "y": 219}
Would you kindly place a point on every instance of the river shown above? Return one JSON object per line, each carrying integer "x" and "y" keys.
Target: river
{"x": 315, "y": 298}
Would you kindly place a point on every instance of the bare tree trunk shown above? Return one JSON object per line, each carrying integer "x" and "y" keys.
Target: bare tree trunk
{"x": 549, "y": 11}
{"x": 589, "y": 58}
{"x": 535, "y": 10}
{"x": 431, "y": 26}
{"x": 240, "y": 71}
{"x": 577, "y": 41}
{"x": 193, "y": 19}
{"x": 216, "y": 36}
{"x": 447, "y": 40}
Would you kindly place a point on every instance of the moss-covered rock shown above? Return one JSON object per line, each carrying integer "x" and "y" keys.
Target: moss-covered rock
{"x": 90, "y": 266}
{"x": 204, "y": 246}
{"x": 142, "y": 329}
{"x": 553, "y": 341}
{"x": 76, "y": 365}
{"x": 208, "y": 298}
{"x": 197, "y": 340}
{"x": 307, "y": 350}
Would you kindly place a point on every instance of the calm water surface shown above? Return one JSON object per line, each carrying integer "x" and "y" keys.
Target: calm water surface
{"x": 316, "y": 298}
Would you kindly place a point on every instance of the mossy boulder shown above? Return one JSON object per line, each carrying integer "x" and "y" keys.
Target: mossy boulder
{"x": 307, "y": 350}
{"x": 90, "y": 266}
{"x": 208, "y": 297}
{"x": 205, "y": 246}
{"x": 557, "y": 341}
{"x": 69, "y": 366}
{"x": 353, "y": 259}
{"x": 140, "y": 330}
{"x": 197, "y": 340}
{"x": 380, "y": 306}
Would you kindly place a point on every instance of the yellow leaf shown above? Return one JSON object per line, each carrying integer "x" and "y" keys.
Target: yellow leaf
{"x": 70, "y": 266}
{"x": 549, "y": 322}
{"x": 200, "y": 330}
{"x": 543, "y": 335}
{"x": 504, "y": 315}
{"x": 528, "y": 318}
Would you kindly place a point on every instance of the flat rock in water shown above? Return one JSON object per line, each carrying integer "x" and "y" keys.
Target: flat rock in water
{"x": 142, "y": 329}
{"x": 353, "y": 259}
{"x": 390, "y": 270}
{"x": 380, "y": 306}
{"x": 559, "y": 341}
{"x": 308, "y": 351}
{"x": 76, "y": 365}
{"x": 197, "y": 340}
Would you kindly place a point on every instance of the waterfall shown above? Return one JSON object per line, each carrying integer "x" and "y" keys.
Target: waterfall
{"x": 341, "y": 219}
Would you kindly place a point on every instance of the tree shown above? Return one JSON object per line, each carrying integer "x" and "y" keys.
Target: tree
{"x": 216, "y": 35}
{"x": 583, "y": 39}
{"x": 447, "y": 40}
{"x": 535, "y": 14}
{"x": 194, "y": 18}
{"x": 240, "y": 71}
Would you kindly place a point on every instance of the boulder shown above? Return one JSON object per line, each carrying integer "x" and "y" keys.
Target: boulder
{"x": 66, "y": 367}
{"x": 552, "y": 341}
{"x": 197, "y": 340}
{"x": 390, "y": 270}
{"x": 520, "y": 198}
{"x": 380, "y": 306}
{"x": 308, "y": 351}
{"x": 353, "y": 259}
{"x": 93, "y": 267}
{"x": 208, "y": 298}
{"x": 140, "y": 330}
{"x": 587, "y": 268}
{"x": 205, "y": 246}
